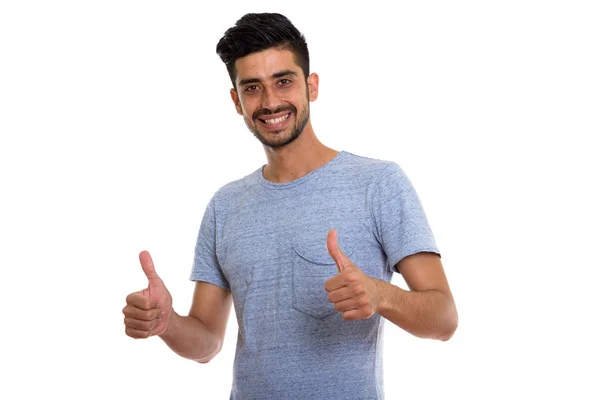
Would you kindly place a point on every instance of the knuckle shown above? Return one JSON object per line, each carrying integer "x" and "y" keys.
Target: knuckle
{"x": 357, "y": 289}
{"x": 131, "y": 298}
{"x": 366, "y": 311}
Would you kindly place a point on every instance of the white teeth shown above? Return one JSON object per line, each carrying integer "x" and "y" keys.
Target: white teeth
{"x": 277, "y": 120}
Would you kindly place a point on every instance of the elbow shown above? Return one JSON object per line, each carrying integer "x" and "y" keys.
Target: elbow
{"x": 446, "y": 337}
{"x": 207, "y": 359}
{"x": 450, "y": 326}
{"x": 212, "y": 354}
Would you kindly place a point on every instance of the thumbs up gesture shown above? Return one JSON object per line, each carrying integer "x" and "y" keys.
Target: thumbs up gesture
{"x": 354, "y": 293}
{"x": 147, "y": 311}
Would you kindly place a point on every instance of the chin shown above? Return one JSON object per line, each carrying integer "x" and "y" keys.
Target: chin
{"x": 283, "y": 139}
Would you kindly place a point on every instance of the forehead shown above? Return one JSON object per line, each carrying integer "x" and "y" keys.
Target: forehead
{"x": 264, "y": 64}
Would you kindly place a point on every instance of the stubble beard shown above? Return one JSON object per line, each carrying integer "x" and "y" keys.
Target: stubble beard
{"x": 280, "y": 141}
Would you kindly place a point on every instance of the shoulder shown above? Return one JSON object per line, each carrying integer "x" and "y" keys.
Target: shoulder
{"x": 233, "y": 190}
{"x": 383, "y": 179}
{"x": 373, "y": 169}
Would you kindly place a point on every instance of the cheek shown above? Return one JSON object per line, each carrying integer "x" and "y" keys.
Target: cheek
{"x": 248, "y": 107}
{"x": 297, "y": 101}
{"x": 243, "y": 109}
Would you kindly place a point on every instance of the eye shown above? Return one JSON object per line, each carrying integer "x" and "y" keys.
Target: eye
{"x": 285, "y": 81}
{"x": 251, "y": 88}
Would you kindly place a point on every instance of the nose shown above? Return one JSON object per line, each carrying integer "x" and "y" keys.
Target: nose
{"x": 270, "y": 100}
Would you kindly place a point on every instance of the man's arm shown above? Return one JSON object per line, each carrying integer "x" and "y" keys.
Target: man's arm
{"x": 428, "y": 309}
{"x": 199, "y": 336}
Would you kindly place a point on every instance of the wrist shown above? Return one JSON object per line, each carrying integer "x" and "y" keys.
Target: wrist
{"x": 171, "y": 324}
{"x": 379, "y": 295}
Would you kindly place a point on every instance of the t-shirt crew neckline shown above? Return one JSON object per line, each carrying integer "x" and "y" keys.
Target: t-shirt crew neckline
{"x": 272, "y": 185}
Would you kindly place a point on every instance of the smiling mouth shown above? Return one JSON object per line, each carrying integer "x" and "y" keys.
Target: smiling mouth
{"x": 275, "y": 121}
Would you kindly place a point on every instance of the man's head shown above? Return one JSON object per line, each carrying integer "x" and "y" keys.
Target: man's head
{"x": 267, "y": 60}
{"x": 257, "y": 32}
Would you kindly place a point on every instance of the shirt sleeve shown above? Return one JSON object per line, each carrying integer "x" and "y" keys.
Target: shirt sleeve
{"x": 401, "y": 224}
{"x": 206, "y": 266}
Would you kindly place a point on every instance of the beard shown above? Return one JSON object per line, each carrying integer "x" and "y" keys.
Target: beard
{"x": 281, "y": 139}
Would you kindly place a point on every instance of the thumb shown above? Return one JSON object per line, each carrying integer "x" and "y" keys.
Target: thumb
{"x": 341, "y": 260}
{"x": 148, "y": 267}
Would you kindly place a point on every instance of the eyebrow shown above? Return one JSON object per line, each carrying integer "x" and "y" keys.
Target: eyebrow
{"x": 276, "y": 75}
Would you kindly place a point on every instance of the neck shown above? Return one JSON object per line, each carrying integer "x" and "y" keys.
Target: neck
{"x": 299, "y": 158}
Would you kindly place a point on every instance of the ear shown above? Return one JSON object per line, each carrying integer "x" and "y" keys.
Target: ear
{"x": 313, "y": 86}
{"x": 236, "y": 101}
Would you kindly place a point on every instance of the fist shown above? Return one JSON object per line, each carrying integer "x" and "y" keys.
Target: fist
{"x": 353, "y": 293}
{"x": 147, "y": 311}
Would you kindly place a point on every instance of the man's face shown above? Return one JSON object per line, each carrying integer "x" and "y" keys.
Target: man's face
{"x": 273, "y": 96}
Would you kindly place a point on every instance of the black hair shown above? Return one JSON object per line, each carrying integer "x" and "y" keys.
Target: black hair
{"x": 260, "y": 31}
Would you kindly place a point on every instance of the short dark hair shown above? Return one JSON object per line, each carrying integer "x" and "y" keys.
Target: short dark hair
{"x": 260, "y": 31}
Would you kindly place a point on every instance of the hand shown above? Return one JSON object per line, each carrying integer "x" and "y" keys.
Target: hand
{"x": 147, "y": 311}
{"x": 353, "y": 292}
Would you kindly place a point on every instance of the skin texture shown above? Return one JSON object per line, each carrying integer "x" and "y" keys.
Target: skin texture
{"x": 269, "y": 84}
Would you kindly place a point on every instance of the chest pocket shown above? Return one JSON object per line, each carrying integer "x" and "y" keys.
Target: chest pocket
{"x": 312, "y": 267}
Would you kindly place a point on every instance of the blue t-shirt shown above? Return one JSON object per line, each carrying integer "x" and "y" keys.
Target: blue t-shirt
{"x": 266, "y": 243}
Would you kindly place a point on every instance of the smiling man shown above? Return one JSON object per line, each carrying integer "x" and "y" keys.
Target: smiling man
{"x": 283, "y": 117}
{"x": 304, "y": 247}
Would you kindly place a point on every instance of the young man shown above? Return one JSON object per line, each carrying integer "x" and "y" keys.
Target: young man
{"x": 304, "y": 247}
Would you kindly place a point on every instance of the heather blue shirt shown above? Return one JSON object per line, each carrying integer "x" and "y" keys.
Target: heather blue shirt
{"x": 266, "y": 243}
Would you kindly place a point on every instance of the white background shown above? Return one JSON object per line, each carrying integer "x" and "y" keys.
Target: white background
{"x": 116, "y": 128}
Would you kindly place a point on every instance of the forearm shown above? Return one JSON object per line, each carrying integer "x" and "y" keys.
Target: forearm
{"x": 425, "y": 314}
{"x": 190, "y": 338}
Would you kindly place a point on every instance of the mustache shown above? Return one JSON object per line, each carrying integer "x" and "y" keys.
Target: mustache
{"x": 266, "y": 111}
